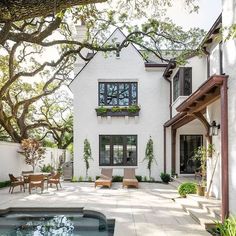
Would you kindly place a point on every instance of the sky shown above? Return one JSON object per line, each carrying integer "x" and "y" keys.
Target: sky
{"x": 207, "y": 15}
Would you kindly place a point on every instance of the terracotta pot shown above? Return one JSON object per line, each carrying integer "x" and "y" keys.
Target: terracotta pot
{"x": 201, "y": 190}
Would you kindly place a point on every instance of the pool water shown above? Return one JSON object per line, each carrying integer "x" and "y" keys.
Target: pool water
{"x": 53, "y": 223}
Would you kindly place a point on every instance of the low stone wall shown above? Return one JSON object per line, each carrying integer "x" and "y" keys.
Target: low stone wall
{"x": 13, "y": 162}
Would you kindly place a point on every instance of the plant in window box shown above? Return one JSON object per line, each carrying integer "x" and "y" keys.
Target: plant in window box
{"x": 116, "y": 109}
{"x": 101, "y": 110}
{"x": 133, "y": 109}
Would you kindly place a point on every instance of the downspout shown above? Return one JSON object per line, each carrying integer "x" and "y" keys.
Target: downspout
{"x": 224, "y": 150}
{"x": 164, "y": 127}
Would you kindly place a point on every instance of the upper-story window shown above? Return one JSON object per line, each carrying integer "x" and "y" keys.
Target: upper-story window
{"x": 182, "y": 82}
{"x": 118, "y": 93}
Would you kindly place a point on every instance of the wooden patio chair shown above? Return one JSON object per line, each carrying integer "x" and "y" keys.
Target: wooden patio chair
{"x": 129, "y": 178}
{"x": 55, "y": 179}
{"x": 15, "y": 181}
{"x": 36, "y": 181}
{"x": 25, "y": 175}
{"x": 105, "y": 178}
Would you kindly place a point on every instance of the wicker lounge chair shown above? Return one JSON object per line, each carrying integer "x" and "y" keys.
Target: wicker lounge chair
{"x": 36, "y": 181}
{"x": 129, "y": 178}
{"x": 15, "y": 181}
{"x": 55, "y": 179}
{"x": 105, "y": 178}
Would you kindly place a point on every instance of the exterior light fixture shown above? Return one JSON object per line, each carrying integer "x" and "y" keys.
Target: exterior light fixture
{"x": 214, "y": 128}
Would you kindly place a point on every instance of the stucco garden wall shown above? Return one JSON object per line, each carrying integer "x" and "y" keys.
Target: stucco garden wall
{"x": 13, "y": 162}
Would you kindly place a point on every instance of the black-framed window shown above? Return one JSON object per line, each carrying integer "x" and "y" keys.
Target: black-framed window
{"x": 117, "y": 93}
{"x": 117, "y": 150}
{"x": 182, "y": 82}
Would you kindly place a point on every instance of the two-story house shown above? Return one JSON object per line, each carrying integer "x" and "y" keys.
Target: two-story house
{"x": 118, "y": 139}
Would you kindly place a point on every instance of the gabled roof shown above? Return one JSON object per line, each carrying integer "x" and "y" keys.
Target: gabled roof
{"x": 92, "y": 55}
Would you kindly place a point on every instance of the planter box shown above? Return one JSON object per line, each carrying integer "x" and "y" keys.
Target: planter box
{"x": 118, "y": 113}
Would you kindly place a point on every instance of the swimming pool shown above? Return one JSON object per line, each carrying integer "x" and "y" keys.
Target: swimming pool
{"x": 50, "y": 222}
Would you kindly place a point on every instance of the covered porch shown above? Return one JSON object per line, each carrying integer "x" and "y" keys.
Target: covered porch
{"x": 207, "y": 104}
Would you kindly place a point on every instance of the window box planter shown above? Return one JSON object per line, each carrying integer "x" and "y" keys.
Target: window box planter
{"x": 118, "y": 111}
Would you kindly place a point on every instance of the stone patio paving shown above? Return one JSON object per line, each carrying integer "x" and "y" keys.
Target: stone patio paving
{"x": 148, "y": 211}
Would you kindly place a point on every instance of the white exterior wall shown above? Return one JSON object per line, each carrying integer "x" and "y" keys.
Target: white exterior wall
{"x": 199, "y": 75}
{"x": 194, "y": 127}
{"x": 153, "y": 97}
{"x": 213, "y": 113}
{"x": 14, "y": 163}
{"x": 229, "y": 62}
{"x": 214, "y": 58}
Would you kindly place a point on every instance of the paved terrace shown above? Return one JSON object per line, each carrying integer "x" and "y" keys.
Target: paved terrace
{"x": 147, "y": 211}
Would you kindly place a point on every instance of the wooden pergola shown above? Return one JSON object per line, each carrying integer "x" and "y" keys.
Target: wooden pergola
{"x": 194, "y": 107}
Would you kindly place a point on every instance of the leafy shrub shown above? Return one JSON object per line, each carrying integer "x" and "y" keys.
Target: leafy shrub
{"x": 80, "y": 178}
{"x": 90, "y": 179}
{"x": 4, "y": 184}
{"x": 139, "y": 178}
{"x": 46, "y": 168}
{"x": 228, "y": 228}
{"x": 165, "y": 177}
{"x": 97, "y": 177}
{"x": 145, "y": 179}
{"x": 117, "y": 178}
{"x": 74, "y": 179}
{"x": 187, "y": 188}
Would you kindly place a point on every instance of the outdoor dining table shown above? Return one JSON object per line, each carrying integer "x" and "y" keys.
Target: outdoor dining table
{"x": 45, "y": 174}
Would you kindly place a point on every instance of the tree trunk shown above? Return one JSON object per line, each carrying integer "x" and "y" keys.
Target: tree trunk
{"x": 15, "y": 10}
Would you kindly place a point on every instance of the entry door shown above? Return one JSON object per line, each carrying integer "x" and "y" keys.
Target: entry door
{"x": 188, "y": 143}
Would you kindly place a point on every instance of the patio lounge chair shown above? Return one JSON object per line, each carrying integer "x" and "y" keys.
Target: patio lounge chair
{"x": 36, "y": 181}
{"x": 15, "y": 181}
{"x": 129, "y": 178}
{"x": 55, "y": 179}
{"x": 105, "y": 178}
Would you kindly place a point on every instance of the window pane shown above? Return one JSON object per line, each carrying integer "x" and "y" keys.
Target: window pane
{"x": 123, "y": 94}
{"x": 133, "y": 93}
{"x": 176, "y": 86}
{"x": 112, "y": 94}
{"x": 101, "y": 94}
{"x": 187, "y": 81}
{"x": 105, "y": 154}
{"x": 131, "y": 150}
{"x": 118, "y": 150}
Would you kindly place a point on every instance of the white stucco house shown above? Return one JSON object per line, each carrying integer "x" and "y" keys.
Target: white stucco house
{"x": 179, "y": 107}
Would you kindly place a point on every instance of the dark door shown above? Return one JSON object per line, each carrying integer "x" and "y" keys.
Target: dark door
{"x": 188, "y": 143}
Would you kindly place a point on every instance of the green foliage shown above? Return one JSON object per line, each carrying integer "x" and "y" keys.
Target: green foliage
{"x": 187, "y": 188}
{"x": 90, "y": 179}
{"x": 87, "y": 154}
{"x": 165, "y": 177}
{"x": 145, "y": 179}
{"x": 116, "y": 109}
{"x": 228, "y": 228}
{"x": 81, "y": 178}
{"x": 74, "y": 179}
{"x": 4, "y": 184}
{"x": 139, "y": 178}
{"x": 117, "y": 178}
{"x": 97, "y": 177}
{"x": 149, "y": 156}
{"x": 101, "y": 110}
{"x": 46, "y": 168}
{"x": 133, "y": 108}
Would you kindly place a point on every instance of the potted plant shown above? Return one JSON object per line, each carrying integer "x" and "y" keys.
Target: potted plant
{"x": 200, "y": 154}
{"x": 87, "y": 155}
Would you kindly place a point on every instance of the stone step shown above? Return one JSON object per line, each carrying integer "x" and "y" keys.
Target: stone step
{"x": 200, "y": 215}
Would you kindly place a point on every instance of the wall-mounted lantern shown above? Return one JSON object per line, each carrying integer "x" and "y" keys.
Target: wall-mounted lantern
{"x": 214, "y": 128}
